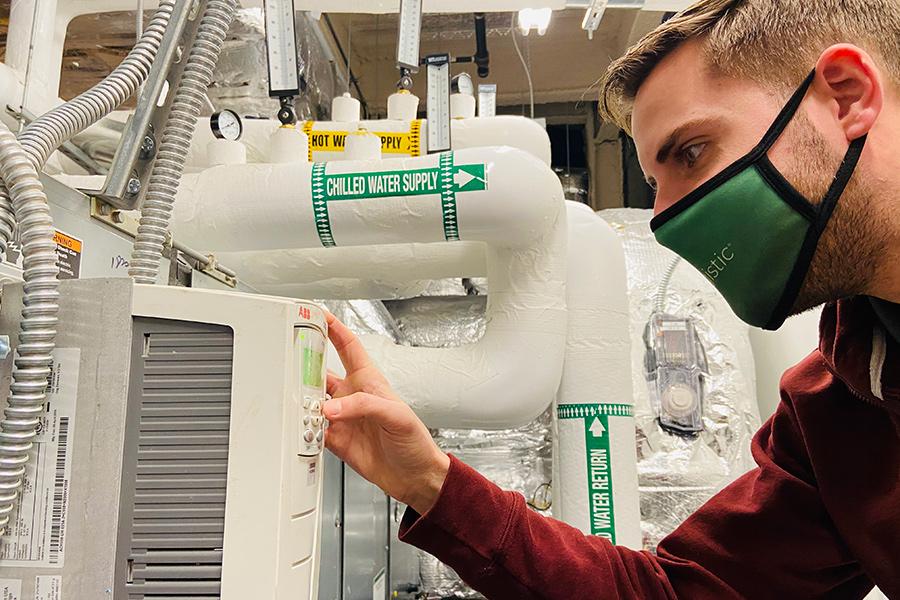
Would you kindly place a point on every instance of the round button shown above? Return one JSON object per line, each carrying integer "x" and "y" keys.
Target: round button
{"x": 317, "y": 421}
{"x": 306, "y": 420}
{"x": 320, "y": 436}
{"x": 315, "y": 406}
{"x": 309, "y": 436}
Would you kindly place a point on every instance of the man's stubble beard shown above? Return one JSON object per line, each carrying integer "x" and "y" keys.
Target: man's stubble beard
{"x": 847, "y": 257}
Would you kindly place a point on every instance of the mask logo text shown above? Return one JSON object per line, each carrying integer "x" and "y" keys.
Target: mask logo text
{"x": 719, "y": 263}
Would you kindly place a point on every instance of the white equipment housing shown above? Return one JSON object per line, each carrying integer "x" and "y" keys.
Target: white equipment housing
{"x": 185, "y": 440}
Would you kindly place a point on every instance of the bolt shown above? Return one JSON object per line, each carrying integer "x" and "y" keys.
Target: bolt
{"x": 148, "y": 147}
{"x": 117, "y": 217}
{"x": 134, "y": 186}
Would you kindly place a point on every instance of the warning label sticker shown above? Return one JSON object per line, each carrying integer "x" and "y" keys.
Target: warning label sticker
{"x": 68, "y": 251}
{"x": 37, "y": 536}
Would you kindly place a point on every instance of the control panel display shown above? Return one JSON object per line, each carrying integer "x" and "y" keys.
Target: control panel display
{"x": 309, "y": 346}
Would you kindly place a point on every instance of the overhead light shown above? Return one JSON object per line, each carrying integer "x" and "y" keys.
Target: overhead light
{"x": 593, "y": 16}
{"x": 534, "y": 18}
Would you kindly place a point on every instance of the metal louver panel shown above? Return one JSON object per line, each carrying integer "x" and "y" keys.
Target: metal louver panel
{"x": 176, "y": 442}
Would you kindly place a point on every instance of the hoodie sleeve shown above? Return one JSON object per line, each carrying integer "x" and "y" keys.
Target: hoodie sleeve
{"x": 767, "y": 535}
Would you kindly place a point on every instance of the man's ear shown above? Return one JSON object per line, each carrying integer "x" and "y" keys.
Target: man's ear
{"x": 850, "y": 79}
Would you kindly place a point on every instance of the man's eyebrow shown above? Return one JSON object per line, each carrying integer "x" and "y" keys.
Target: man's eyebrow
{"x": 666, "y": 149}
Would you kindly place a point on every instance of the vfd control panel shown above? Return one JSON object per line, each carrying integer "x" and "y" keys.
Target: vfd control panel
{"x": 309, "y": 345}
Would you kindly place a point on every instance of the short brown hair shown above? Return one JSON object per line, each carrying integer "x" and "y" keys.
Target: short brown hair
{"x": 773, "y": 42}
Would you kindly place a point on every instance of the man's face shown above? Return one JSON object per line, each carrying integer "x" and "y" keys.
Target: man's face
{"x": 690, "y": 123}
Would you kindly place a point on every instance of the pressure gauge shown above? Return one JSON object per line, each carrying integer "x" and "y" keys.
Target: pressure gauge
{"x": 226, "y": 125}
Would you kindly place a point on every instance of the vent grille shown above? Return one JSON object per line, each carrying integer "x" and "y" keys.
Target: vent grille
{"x": 174, "y": 484}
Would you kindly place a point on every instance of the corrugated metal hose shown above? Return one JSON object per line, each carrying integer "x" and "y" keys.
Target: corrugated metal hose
{"x": 156, "y": 209}
{"x": 45, "y": 134}
{"x": 23, "y": 202}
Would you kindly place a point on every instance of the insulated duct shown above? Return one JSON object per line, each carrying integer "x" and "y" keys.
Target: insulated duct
{"x": 505, "y": 198}
{"x": 597, "y": 485}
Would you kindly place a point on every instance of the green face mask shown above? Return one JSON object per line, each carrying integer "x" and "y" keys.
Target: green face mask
{"x": 750, "y": 232}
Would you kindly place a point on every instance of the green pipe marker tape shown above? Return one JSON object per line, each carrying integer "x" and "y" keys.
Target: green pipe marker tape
{"x": 446, "y": 180}
{"x": 320, "y": 206}
{"x": 597, "y": 449}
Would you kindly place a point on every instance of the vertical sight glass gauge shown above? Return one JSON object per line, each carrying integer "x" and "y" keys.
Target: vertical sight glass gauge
{"x": 226, "y": 125}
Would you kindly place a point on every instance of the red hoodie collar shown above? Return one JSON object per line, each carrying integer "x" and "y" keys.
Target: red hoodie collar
{"x": 859, "y": 351}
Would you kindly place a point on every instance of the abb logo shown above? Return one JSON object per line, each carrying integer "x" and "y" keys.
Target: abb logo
{"x": 304, "y": 313}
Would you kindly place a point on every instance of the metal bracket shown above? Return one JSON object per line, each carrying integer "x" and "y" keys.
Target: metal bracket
{"x": 127, "y": 224}
{"x": 129, "y": 174}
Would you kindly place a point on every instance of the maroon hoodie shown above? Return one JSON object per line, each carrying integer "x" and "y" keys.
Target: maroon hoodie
{"x": 818, "y": 518}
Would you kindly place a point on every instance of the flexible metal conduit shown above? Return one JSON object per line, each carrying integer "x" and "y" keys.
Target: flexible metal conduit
{"x": 22, "y": 201}
{"x": 37, "y": 335}
{"x": 176, "y": 140}
{"x": 44, "y": 135}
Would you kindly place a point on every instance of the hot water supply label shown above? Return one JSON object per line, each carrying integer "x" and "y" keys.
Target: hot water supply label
{"x": 596, "y": 420}
{"x": 396, "y": 143}
{"x": 446, "y": 180}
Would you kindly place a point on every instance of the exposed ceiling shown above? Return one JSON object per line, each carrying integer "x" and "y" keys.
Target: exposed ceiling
{"x": 564, "y": 64}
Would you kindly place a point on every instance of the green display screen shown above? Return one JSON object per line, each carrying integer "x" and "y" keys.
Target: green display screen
{"x": 312, "y": 367}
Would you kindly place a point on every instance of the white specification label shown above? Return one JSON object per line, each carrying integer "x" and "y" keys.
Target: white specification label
{"x": 38, "y": 534}
{"x": 48, "y": 587}
{"x": 10, "y": 589}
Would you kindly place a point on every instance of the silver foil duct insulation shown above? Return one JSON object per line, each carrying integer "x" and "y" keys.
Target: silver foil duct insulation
{"x": 515, "y": 459}
{"x": 678, "y": 474}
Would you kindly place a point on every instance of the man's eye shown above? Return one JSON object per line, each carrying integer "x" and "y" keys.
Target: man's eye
{"x": 691, "y": 154}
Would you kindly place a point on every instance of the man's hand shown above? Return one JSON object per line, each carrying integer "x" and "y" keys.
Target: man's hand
{"x": 376, "y": 433}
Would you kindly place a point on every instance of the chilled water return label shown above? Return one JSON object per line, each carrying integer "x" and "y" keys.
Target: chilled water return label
{"x": 598, "y": 457}
{"x": 446, "y": 180}
{"x": 37, "y": 536}
{"x": 392, "y": 142}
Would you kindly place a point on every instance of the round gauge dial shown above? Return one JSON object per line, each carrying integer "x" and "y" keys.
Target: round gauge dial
{"x": 226, "y": 125}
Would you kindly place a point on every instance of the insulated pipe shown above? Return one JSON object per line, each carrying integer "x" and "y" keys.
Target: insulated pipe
{"x": 348, "y": 274}
{"x": 399, "y": 138}
{"x": 502, "y": 197}
{"x": 596, "y": 487}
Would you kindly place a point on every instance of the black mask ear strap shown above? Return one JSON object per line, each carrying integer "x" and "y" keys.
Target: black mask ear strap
{"x": 787, "y": 113}
{"x": 841, "y": 180}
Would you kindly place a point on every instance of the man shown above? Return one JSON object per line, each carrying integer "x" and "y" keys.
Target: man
{"x": 771, "y": 132}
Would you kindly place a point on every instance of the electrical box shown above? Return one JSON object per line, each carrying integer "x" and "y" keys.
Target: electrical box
{"x": 181, "y": 449}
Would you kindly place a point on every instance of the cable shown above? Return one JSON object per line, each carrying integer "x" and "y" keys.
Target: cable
{"x": 512, "y": 29}
{"x": 663, "y": 289}
{"x": 175, "y": 143}
{"x": 46, "y": 133}
{"x": 37, "y": 329}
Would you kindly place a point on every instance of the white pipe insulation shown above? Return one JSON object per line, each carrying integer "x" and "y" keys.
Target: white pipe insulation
{"x": 502, "y": 197}
{"x": 596, "y": 487}
{"x": 399, "y": 138}
{"x": 348, "y": 274}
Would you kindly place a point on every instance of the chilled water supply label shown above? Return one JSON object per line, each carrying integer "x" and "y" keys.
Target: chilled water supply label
{"x": 10, "y": 589}
{"x": 446, "y": 180}
{"x": 597, "y": 420}
{"x": 37, "y": 536}
{"x": 396, "y": 143}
